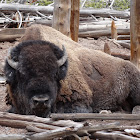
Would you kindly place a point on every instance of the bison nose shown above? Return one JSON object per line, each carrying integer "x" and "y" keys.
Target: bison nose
{"x": 38, "y": 101}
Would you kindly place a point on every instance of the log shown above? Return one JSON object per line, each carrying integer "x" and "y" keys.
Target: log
{"x": 91, "y": 27}
{"x": 123, "y": 56}
{"x": 12, "y": 31}
{"x": 123, "y": 43}
{"x": 11, "y": 34}
{"x": 12, "y": 137}
{"x": 50, "y": 136}
{"x": 43, "y": 22}
{"x": 23, "y": 124}
{"x": 9, "y": 38}
{"x": 23, "y": 121}
{"x": 123, "y": 37}
{"x": 108, "y": 51}
{"x": 104, "y": 13}
{"x": 49, "y": 10}
{"x": 96, "y": 116}
{"x": 70, "y": 131}
{"x": 31, "y": 118}
{"x": 8, "y": 8}
{"x": 31, "y": 128}
{"x": 104, "y": 22}
{"x": 99, "y": 33}
{"x": 88, "y": 27}
{"x": 112, "y": 136}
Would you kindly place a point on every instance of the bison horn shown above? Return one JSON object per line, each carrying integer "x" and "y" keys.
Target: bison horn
{"x": 11, "y": 62}
{"x": 62, "y": 60}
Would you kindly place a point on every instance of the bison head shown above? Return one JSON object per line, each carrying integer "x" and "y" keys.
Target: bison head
{"x": 33, "y": 70}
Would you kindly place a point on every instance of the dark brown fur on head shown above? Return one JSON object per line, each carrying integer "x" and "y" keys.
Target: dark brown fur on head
{"x": 37, "y": 75}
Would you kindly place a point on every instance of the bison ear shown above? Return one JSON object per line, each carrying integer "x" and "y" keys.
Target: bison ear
{"x": 9, "y": 73}
{"x": 63, "y": 71}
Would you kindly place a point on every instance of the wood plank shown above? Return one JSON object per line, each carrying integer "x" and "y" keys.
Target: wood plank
{"x": 96, "y": 116}
{"x": 135, "y": 32}
{"x": 74, "y": 20}
{"x": 61, "y": 16}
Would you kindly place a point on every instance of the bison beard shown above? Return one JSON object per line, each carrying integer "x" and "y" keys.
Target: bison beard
{"x": 33, "y": 71}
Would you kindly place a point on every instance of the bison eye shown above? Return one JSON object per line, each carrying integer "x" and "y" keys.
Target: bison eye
{"x": 35, "y": 102}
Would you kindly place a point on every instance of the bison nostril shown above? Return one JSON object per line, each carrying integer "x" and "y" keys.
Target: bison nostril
{"x": 40, "y": 101}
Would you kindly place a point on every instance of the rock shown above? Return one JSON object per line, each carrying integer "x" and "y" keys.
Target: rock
{"x": 136, "y": 110}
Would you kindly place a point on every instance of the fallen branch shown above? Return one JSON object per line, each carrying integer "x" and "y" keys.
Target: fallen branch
{"x": 123, "y": 37}
{"x": 123, "y": 43}
{"x": 30, "y": 118}
{"x": 11, "y": 34}
{"x": 71, "y": 131}
{"x": 104, "y": 13}
{"x": 112, "y": 136}
{"x": 111, "y": 4}
{"x": 47, "y": 128}
{"x": 123, "y": 56}
{"x": 12, "y": 137}
{"x": 108, "y": 51}
{"x": 9, "y": 38}
{"x": 37, "y": 124}
{"x": 50, "y": 136}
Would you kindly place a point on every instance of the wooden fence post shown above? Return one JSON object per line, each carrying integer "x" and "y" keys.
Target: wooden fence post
{"x": 135, "y": 32}
{"x": 74, "y": 25}
{"x": 61, "y": 16}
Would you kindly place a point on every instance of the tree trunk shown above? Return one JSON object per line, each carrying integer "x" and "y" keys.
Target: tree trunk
{"x": 61, "y": 16}
{"x": 74, "y": 25}
{"x": 135, "y": 32}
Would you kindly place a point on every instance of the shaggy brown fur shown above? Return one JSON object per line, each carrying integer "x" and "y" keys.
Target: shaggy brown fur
{"x": 95, "y": 80}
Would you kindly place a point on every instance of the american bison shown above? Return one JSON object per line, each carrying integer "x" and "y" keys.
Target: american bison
{"x": 95, "y": 81}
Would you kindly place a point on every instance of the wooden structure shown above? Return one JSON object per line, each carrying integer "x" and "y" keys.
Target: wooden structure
{"x": 66, "y": 17}
{"x": 135, "y": 32}
{"x": 114, "y": 34}
{"x": 61, "y": 16}
{"x": 74, "y": 25}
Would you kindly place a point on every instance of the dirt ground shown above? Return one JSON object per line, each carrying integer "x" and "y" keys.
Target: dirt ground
{"x": 90, "y": 43}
